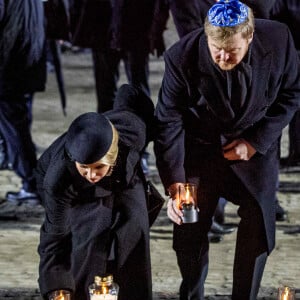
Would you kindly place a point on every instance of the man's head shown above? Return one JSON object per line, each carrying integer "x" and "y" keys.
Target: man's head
{"x": 229, "y": 28}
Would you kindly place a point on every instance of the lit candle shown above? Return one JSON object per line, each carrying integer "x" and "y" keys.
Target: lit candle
{"x": 60, "y": 295}
{"x": 188, "y": 203}
{"x": 104, "y": 288}
{"x": 286, "y": 293}
{"x": 104, "y": 297}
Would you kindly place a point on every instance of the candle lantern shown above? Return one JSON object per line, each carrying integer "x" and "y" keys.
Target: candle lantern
{"x": 188, "y": 202}
{"x": 60, "y": 295}
{"x": 286, "y": 293}
{"x": 104, "y": 288}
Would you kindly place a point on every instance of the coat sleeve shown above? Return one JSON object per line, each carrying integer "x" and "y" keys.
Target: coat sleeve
{"x": 55, "y": 238}
{"x": 286, "y": 96}
{"x": 55, "y": 248}
{"x": 169, "y": 143}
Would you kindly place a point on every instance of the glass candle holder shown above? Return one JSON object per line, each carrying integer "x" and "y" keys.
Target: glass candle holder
{"x": 286, "y": 293}
{"x": 188, "y": 203}
{"x": 60, "y": 295}
{"x": 104, "y": 288}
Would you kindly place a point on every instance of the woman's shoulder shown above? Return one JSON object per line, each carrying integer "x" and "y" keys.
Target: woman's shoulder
{"x": 52, "y": 163}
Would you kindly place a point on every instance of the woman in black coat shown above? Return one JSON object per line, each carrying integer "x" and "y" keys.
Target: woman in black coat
{"x": 92, "y": 187}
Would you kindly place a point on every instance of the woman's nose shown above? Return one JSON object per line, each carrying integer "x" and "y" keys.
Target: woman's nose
{"x": 91, "y": 173}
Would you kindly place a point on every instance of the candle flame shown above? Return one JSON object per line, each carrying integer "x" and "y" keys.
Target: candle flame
{"x": 187, "y": 196}
{"x": 286, "y": 293}
{"x": 60, "y": 296}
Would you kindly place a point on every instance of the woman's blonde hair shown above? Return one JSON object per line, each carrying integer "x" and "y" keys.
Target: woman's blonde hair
{"x": 219, "y": 33}
{"x": 111, "y": 155}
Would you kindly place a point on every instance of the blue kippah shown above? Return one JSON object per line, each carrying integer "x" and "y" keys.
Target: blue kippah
{"x": 227, "y": 13}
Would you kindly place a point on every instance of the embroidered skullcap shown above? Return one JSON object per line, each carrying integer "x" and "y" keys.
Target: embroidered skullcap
{"x": 227, "y": 13}
{"x": 89, "y": 138}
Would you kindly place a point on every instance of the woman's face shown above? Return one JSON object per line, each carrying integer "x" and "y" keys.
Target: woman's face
{"x": 230, "y": 53}
{"x": 93, "y": 172}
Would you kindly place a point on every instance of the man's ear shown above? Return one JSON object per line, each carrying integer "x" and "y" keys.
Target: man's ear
{"x": 250, "y": 38}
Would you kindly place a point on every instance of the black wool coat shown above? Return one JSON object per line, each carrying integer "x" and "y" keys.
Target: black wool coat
{"x": 93, "y": 229}
{"x": 22, "y": 47}
{"x": 192, "y": 113}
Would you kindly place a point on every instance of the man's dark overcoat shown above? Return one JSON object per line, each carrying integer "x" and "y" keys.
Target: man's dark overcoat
{"x": 195, "y": 117}
{"x": 92, "y": 229}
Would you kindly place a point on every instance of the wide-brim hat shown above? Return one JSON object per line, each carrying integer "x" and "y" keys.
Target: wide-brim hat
{"x": 88, "y": 138}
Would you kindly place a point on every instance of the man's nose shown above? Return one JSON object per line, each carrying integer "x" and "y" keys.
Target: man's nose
{"x": 224, "y": 55}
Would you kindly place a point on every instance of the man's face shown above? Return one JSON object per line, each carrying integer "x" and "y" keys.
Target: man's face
{"x": 227, "y": 54}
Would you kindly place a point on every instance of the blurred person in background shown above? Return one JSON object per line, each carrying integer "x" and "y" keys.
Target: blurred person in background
{"x": 22, "y": 73}
{"x": 116, "y": 31}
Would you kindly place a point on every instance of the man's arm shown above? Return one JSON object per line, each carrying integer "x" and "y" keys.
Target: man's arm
{"x": 169, "y": 143}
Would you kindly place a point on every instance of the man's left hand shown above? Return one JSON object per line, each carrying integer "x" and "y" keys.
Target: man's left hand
{"x": 238, "y": 150}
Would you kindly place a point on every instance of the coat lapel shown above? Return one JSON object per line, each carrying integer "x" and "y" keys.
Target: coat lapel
{"x": 202, "y": 75}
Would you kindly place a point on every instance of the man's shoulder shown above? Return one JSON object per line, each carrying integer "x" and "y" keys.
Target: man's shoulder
{"x": 131, "y": 128}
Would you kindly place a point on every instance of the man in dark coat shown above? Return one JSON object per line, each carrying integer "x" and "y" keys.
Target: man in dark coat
{"x": 22, "y": 73}
{"x": 92, "y": 187}
{"x": 188, "y": 16}
{"x": 226, "y": 95}
{"x": 288, "y": 12}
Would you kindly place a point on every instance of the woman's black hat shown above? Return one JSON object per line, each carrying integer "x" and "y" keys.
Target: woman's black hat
{"x": 88, "y": 138}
